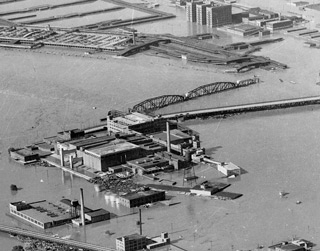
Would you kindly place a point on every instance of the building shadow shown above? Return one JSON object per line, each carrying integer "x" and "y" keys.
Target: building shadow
{"x": 212, "y": 150}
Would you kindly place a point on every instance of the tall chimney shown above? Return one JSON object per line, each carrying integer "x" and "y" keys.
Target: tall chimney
{"x": 140, "y": 221}
{"x": 168, "y": 138}
{"x": 82, "y": 207}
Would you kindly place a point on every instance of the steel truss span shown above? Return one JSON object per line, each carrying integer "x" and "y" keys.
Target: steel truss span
{"x": 209, "y": 89}
{"x": 218, "y": 87}
{"x": 165, "y": 100}
{"x": 157, "y": 103}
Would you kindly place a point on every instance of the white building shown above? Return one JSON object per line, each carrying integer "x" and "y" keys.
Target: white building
{"x": 229, "y": 169}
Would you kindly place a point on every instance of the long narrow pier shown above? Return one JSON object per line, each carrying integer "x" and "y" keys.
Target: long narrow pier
{"x": 279, "y": 104}
{"x": 40, "y": 236}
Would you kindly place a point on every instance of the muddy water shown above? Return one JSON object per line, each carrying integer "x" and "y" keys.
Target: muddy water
{"x": 44, "y": 93}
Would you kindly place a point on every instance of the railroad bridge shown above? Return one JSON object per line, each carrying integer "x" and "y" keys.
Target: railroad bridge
{"x": 152, "y": 104}
{"x": 165, "y": 100}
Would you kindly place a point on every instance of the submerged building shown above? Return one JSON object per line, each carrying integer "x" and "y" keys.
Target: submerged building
{"x": 141, "y": 198}
{"x": 45, "y": 214}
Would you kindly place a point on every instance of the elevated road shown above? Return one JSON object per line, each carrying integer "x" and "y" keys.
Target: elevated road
{"x": 245, "y": 108}
{"x": 40, "y": 236}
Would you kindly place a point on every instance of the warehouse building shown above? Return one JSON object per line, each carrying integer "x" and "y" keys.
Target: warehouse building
{"x": 148, "y": 165}
{"x": 42, "y": 214}
{"x": 135, "y": 122}
{"x": 244, "y": 30}
{"x": 115, "y": 153}
{"x": 208, "y": 188}
{"x": 177, "y": 161}
{"x": 46, "y": 214}
{"x": 141, "y": 198}
{"x": 278, "y": 25}
{"x": 97, "y": 215}
{"x": 24, "y": 155}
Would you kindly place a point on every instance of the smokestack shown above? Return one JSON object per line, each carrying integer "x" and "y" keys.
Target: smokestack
{"x": 140, "y": 221}
{"x": 82, "y": 206}
{"x": 168, "y": 138}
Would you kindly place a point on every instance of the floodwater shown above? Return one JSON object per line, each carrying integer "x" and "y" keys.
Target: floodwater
{"x": 41, "y": 94}
{"x": 80, "y": 8}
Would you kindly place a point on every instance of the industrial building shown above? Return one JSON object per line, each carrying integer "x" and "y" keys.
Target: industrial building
{"x": 46, "y": 214}
{"x": 131, "y": 242}
{"x": 244, "y": 30}
{"x": 278, "y": 25}
{"x": 97, "y": 215}
{"x": 24, "y": 155}
{"x": 294, "y": 245}
{"x": 135, "y": 242}
{"x": 159, "y": 241}
{"x": 148, "y": 165}
{"x": 178, "y": 139}
{"x": 42, "y": 214}
{"x": 177, "y": 161}
{"x": 141, "y": 198}
{"x": 218, "y": 15}
{"x": 135, "y": 122}
{"x": 208, "y": 188}
{"x": 115, "y": 153}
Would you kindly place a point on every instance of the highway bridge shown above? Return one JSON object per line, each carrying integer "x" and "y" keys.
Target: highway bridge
{"x": 278, "y": 104}
{"x": 41, "y": 236}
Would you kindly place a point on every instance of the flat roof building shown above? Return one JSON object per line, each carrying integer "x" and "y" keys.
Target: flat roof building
{"x": 176, "y": 137}
{"x": 219, "y": 15}
{"x": 131, "y": 242}
{"x": 42, "y": 214}
{"x": 141, "y": 198}
{"x": 115, "y": 153}
{"x": 135, "y": 122}
{"x": 24, "y": 155}
{"x": 208, "y": 188}
{"x": 46, "y": 214}
{"x": 244, "y": 29}
{"x": 178, "y": 162}
{"x": 148, "y": 165}
{"x": 201, "y": 17}
{"x": 191, "y": 11}
{"x": 229, "y": 169}
{"x": 97, "y": 215}
{"x": 278, "y": 25}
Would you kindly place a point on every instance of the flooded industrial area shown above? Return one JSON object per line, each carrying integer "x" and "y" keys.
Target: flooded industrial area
{"x": 46, "y": 91}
